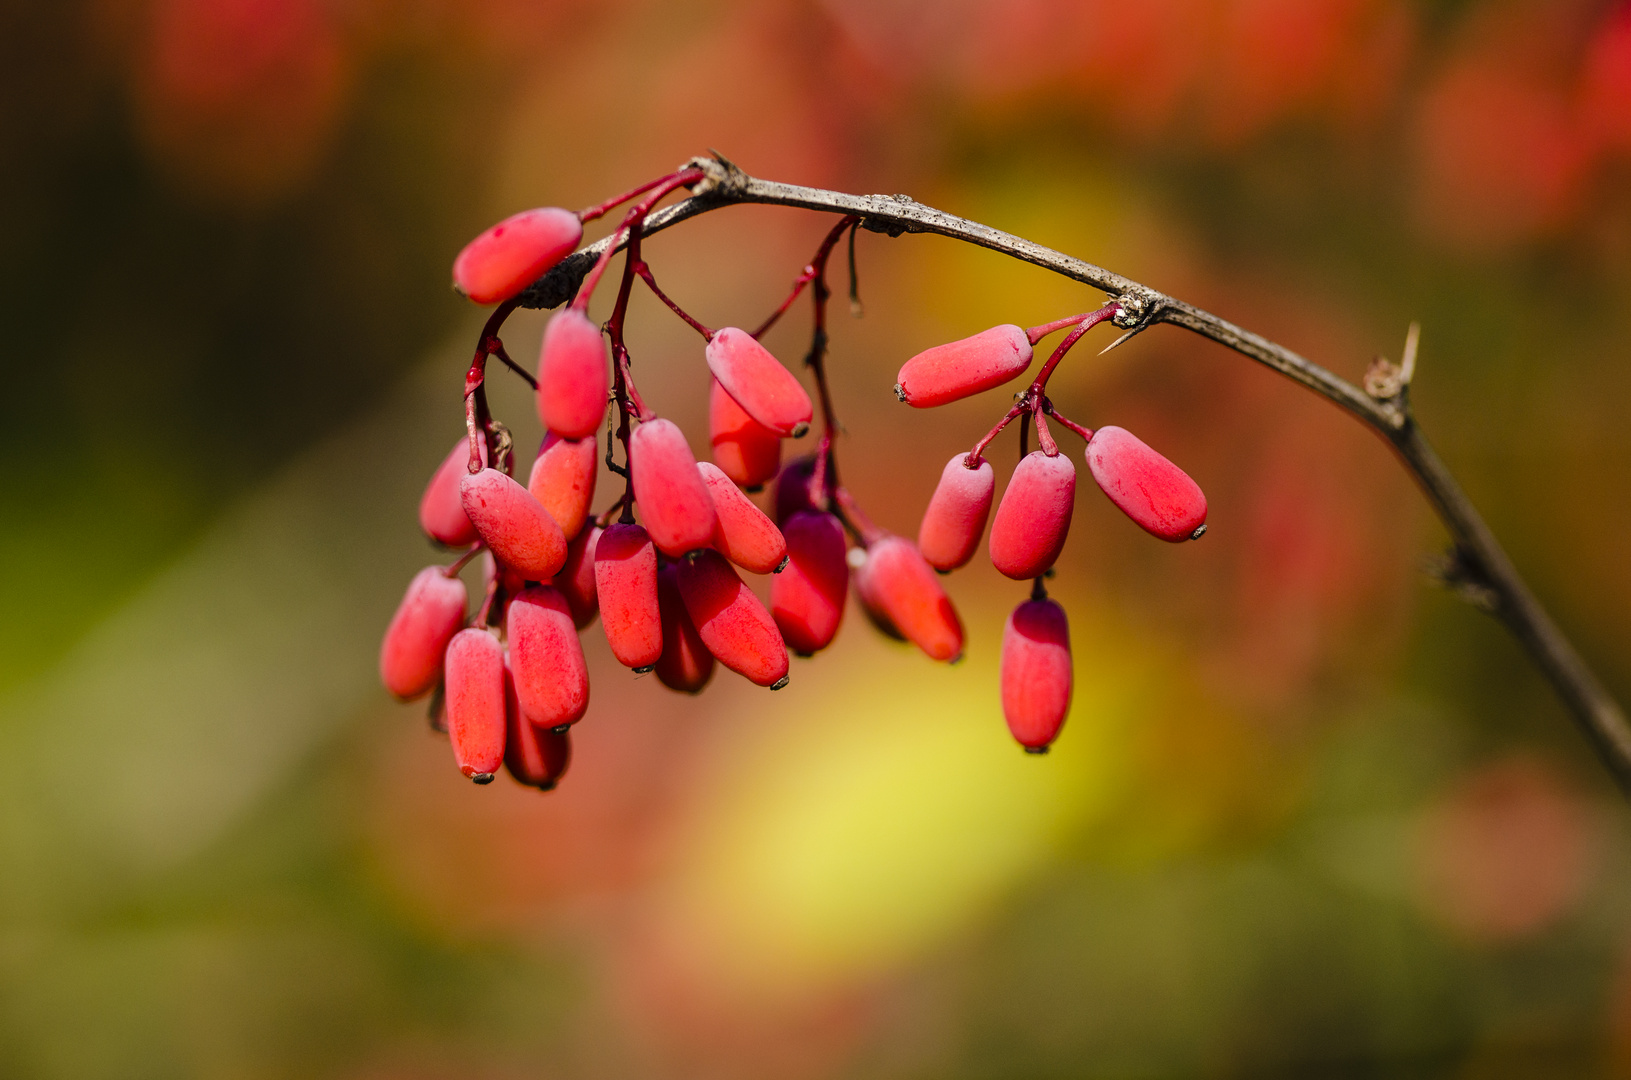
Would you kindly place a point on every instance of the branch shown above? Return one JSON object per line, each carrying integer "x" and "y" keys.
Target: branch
{"x": 1478, "y": 568}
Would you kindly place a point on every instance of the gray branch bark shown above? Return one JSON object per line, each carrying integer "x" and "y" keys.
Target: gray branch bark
{"x": 1477, "y": 568}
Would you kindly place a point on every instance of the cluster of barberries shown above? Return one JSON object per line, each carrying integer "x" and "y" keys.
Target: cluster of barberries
{"x": 509, "y": 682}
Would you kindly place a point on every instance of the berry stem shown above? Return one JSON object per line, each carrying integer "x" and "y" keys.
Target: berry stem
{"x": 1085, "y": 433}
{"x": 477, "y": 419}
{"x": 1044, "y": 437}
{"x": 463, "y": 560}
{"x": 499, "y": 351}
{"x": 817, "y": 268}
{"x": 1037, "y": 333}
{"x": 854, "y": 519}
{"x": 627, "y": 234}
{"x": 643, "y": 269}
{"x": 609, "y": 205}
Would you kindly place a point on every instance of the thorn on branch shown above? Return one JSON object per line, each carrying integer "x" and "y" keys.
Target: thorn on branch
{"x": 1459, "y": 571}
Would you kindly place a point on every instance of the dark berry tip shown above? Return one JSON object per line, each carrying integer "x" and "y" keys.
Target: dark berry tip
{"x": 560, "y": 729}
{"x": 1198, "y": 533}
{"x": 1036, "y": 749}
{"x": 547, "y": 785}
{"x": 782, "y": 565}
{"x": 781, "y": 682}
{"x": 482, "y": 777}
{"x": 646, "y": 670}
{"x": 942, "y": 571}
{"x": 800, "y": 430}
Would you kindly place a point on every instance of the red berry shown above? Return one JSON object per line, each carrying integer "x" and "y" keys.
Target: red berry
{"x": 546, "y": 658}
{"x": 441, "y": 513}
{"x": 1147, "y": 487}
{"x": 475, "y": 702}
{"x": 576, "y": 581}
{"x": 907, "y": 593}
{"x": 673, "y": 500}
{"x": 758, "y": 382}
{"x": 744, "y": 449}
{"x": 1036, "y": 675}
{"x": 960, "y": 368}
{"x": 572, "y": 376}
{"x": 956, "y": 515}
{"x": 1034, "y": 515}
{"x": 626, "y": 586}
{"x": 535, "y": 756}
{"x": 686, "y": 664}
{"x": 730, "y": 620}
{"x": 563, "y": 480}
{"x": 514, "y": 253}
{"x": 431, "y": 612}
{"x": 518, "y": 530}
{"x": 807, "y": 597}
{"x": 793, "y": 488}
{"x": 866, "y": 594}
{"x": 744, "y": 535}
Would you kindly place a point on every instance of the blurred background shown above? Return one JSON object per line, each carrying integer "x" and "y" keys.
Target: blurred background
{"x": 1309, "y": 815}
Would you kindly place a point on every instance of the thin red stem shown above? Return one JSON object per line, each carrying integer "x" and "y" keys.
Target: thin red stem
{"x": 1044, "y": 437}
{"x": 973, "y": 459}
{"x": 815, "y": 268}
{"x": 609, "y": 205}
{"x": 463, "y": 560}
{"x": 855, "y": 519}
{"x": 1037, "y": 333}
{"x": 637, "y": 213}
{"x": 498, "y": 350}
{"x": 643, "y": 269}
{"x": 477, "y": 419}
{"x": 1085, "y": 433}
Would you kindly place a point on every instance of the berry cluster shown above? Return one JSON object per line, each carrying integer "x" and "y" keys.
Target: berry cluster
{"x": 509, "y": 682}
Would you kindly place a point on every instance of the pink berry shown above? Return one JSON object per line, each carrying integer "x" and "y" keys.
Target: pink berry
{"x": 1036, "y": 673}
{"x": 513, "y": 254}
{"x": 563, "y": 480}
{"x": 807, "y": 597}
{"x": 758, "y": 382}
{"x": 686, "y": 664}
{"x": 546, "y": 658}
{"x": 518, "y": 530}
{"x": 960, "y": 368}
{"x": 744, "y": 449}
{"x": 906, "y": 591}
{"x": 474, "y": 671}
{"x": 672, "y": 498}
{"x": 732, "y": 623}
{"x": 1034, "y": 515}
{"x": 626, "y": 586}
{"x": 1148, "y": 488}
{"x": 744, "y": 535}
{"x": 431, "y": 612}
{"x": 576, "y": 581}
{"x": 535, "y": 756}
{"x": 866, "y": 594}
{"x": 441, "y": 513}
{"x": 793, "y": 488}
{"x": 573, "y": 376}
{"x": 957, "y": 513}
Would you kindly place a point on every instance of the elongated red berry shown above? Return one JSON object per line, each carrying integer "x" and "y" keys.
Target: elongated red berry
{"x": 518, "y": 530}
{"x": 744, "y": 449}
{"x": 546, "y": 658}
{"x": 563, "y": 480}
{"x": 957, "y": 513}
{"x": 744, "y": 534}
{"x": 576, "y": 581}
{"x": 1034, "y": 515}
{"x": 673, "y": 500}
{"x": 960, "y": 368}
{"x": 686, "y": 664}
{"x": 441, "y": 513}
{"x": 907, "y": 592}
{"x": 866, "y": 594}
{"x": 573, "y": 376}
{"x": 732, "y": 623}
{"x": 758, "y": 382}
{"x": 1148, "y": 488}
{"x": 626, "y": 586}
{"x": 793, "y": 488}
{"x": 474, "y": 671}
{"x": 514, "y": 253}
{"x": 1036, "y": 674}
{"x": 807, "y": 597}
{"x": 535, "y": 756}
{"x": 431, "y": 612}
